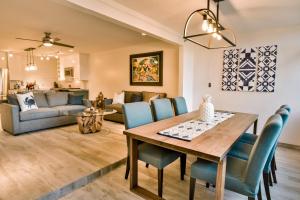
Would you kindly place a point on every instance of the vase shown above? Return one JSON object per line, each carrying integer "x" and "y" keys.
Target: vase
{"x": 206, "y": 109}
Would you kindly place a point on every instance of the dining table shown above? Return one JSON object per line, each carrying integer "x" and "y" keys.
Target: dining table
{"x": 212, "y": 145}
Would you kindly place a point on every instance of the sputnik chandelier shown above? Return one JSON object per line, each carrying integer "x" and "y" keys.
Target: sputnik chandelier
{"x": 210, "y": 34}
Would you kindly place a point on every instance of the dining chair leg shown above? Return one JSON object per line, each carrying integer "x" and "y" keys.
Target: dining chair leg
{"x": 273, "y": 162}
{"x": 160, "y": 173}
{"x": 270, "y": 179}
{"x": 207, "y": 185}
{"x": 147, "y": 165}
{"x": 127, "y": 168}
{"x": 182, "y": 166}
{"x": 251, "y": 198}
{"x": 259, "y": 196}
{"x": 192, "y": 188}
{"x": 266, "y": 184}
{"x": 274, "y": 176}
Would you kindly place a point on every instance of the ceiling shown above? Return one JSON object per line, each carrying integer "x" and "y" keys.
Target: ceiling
{"x": 88, "y": 33}
{"x": 239, "y": 15}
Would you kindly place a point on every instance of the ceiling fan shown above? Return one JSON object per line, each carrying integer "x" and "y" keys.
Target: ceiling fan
{"x": 47, "y": 41}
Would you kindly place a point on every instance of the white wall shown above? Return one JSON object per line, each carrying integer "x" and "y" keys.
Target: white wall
{"x": 110, "y": 70}
{"x": 208, "y": 68}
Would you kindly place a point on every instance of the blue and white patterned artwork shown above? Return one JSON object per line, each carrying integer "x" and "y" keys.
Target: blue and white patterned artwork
{"x": 247, "y": 70}
{"x": 266, "y": 68}
{"x": 230, "y": 69}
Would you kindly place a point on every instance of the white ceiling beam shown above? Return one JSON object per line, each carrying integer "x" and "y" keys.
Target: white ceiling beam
{"x": 132, "y": 19}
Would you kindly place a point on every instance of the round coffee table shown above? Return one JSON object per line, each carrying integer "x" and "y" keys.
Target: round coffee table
{"x": 91, "y": 121}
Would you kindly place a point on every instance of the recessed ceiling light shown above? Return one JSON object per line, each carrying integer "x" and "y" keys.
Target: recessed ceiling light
{"x": 10, "y": 55}
{"x": 42, "y": 58}
{"x": 144, "y": 34}
{"x": 47, "y": 58}
{"x": 2, "y": 58}
{"x": 71, "y": 50}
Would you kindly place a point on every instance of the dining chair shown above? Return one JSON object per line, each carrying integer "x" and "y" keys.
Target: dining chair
{"x": 180, "y": 106}
{"x": 242, "y": 176}
{"x": 138, "y": 114}
{"x": 242, "y": 151}
{"x": 162, "y": 109}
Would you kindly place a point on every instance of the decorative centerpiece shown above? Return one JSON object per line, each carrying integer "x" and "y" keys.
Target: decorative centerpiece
{"x": 206, "y": 109}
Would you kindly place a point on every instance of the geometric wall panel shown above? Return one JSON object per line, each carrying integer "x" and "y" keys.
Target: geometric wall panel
{"x": 230, "y": 70}
{"x": 247, "y": 70}
{"x": 266, "y": 68}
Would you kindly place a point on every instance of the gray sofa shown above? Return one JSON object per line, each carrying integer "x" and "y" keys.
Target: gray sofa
{"x": 54, "y": 110}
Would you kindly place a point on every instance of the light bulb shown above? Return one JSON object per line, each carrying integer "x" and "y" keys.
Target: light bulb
{"x": 210, "y": 28}
{"x": 205, "y": 23}
{"x": 219, "y": 37}
{"x": 47, "y": 44}
{"x": 215, "y": 35}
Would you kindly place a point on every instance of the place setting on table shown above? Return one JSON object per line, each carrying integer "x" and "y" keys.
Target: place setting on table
{"x": 204, "y": 133}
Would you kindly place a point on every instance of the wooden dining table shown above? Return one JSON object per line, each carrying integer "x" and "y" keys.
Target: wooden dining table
{"x": 212, "y": 145}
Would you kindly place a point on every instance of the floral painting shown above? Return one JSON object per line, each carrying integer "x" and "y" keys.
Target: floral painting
{"x": 146, "y": 69}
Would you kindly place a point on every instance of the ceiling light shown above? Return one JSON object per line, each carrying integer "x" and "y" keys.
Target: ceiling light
{"x": 47, "y": 58}
{"x": 30, "y": 60}
{"x": 71, "y": 50}
{"x": 48, "y": 44}
{"x": 56, "y": 56}
{"x": 10, "y": 55}
{"x": 42, "y": 58}
{"x": 3, "y": 58}
{"x": 144, "y": 34}
{"x": 210, "y": 26}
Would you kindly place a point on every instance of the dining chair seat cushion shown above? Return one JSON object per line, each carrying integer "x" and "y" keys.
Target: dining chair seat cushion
{"x": 241, "y": 150}
{"x": 248, "y": 138}
{"x": 156, "y": 156}
{"x": 207, "y": 171}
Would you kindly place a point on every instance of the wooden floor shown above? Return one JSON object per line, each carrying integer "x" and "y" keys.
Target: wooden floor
{"x": 114, "y": 186}
{"x": 36, "y": 165}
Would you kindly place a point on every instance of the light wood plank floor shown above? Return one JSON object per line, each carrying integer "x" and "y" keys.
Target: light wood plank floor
{"x": 32, "y": 165}
{"x": 114, "y": 186}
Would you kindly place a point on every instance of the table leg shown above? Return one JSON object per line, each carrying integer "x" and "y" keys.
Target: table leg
{"x": 255, "y": 127}
{"x": 220, "y": 183}
{"x": 133, "y": 163}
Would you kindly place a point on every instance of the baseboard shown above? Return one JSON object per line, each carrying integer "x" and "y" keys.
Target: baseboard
{"x": 289, "y": 146}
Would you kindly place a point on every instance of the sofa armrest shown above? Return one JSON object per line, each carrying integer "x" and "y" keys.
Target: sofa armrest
{"x": 108, "y": 102}
{"x": 10, "y": 117}
{"x": 87, "y": 103}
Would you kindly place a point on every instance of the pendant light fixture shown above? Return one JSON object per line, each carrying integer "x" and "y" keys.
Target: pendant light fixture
{"x": 30, "y": 60}
{"x": 211, "y": 34}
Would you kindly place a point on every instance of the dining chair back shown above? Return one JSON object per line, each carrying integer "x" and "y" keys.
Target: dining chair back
{"x": 261, "y": 150}
{"x": 180, "y": 106}
{"x": 162, "y": 109}
{"x": 287, "y": 107}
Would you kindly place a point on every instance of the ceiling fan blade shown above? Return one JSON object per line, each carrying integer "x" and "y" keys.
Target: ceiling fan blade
{"x": 63, "y": 45}
{"x": 29, "y": 39}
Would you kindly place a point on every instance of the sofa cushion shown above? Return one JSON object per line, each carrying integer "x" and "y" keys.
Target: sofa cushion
{"x": 148, "y": 95}
{"x": 117, "y": 107}
{"x": 27, "y": 101}
{"x": 75, "y": 99}
{"x": 136, "y": 98}
{"x": 57, "y": 98}
{"x": 38, "y": 114}
{"x": 40, "y": 99}
{"x": 132, "y": 95}
{"x": 69, "y": 109}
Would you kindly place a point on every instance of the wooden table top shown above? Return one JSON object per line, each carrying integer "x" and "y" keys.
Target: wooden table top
{"x": 212, "y": 145}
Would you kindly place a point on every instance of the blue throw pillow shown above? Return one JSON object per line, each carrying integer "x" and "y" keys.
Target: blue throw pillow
{"x": 75, "y": 99}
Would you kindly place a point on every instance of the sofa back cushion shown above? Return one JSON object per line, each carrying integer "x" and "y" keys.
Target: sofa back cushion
{"x": 12, "y": 99}
{"x": 75, "y": 99}
{"x": 133, "y": 96}
{"x": 148, "y": 95}
{"x": 57, "y": 98}
{"x": 40, "y": 99}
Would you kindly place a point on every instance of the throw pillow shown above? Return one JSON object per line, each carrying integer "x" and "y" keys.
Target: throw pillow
{"x": 153, "y": 98}
{"x": 136, "y": 98}
{"x": 118, "y": 98}
{"x": 40, "y": 99}
{"x": 75, "y": 99}
{"x": 57, "y": 98}
{"x": 26, "y": 101}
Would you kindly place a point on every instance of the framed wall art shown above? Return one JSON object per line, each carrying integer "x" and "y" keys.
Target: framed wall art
{"x": 146, "y": 69}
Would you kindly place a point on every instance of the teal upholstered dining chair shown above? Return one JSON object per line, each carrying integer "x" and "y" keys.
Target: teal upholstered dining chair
{"x": 138, "y": 114}
{"x": 162, "y": 109}
{"x": 242, "y": 176}
{"x": 179, "y": 104}
{"x": 242, "y": 151}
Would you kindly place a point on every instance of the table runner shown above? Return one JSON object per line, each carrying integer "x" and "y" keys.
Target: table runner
{"x": 193, "y": 128}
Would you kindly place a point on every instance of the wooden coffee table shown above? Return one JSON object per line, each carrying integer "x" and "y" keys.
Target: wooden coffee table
{"x": 91, "y": 121}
